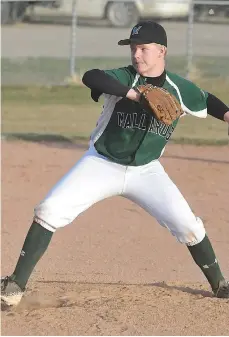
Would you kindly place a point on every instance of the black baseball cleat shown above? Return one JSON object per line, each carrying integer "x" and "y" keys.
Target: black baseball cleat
{"x": 223, "y": 290}
{"x": 11, "y": 293}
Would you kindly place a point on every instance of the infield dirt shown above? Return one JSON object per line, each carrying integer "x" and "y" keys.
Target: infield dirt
{"x": 114, "y": 270}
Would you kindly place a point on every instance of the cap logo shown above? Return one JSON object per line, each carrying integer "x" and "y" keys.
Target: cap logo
{"x": 135, "y": 30}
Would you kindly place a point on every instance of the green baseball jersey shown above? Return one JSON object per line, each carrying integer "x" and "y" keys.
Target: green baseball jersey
{"x": 129, "y": 135}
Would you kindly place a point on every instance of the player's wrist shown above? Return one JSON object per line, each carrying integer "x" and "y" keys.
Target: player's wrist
{"x": 226, "y": 117}
{"x": 133, "y": 94}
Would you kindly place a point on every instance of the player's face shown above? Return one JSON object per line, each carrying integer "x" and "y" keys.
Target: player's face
{"x": 146, "y": 57}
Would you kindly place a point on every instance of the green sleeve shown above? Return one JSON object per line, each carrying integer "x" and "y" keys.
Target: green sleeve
{"x": 123, "y": 75}
{"x": 195, "y": 100}
{"x": 204, "y": 94}
{"x": 192, "y": 98}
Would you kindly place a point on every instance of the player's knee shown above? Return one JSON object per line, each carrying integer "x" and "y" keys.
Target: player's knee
{"x": 51, "y": 216}
{"x": 187, "y": 228}
{"x": 191, "y": 233}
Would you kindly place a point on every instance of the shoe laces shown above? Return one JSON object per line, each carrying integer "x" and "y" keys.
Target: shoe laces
{"x": 4, "y": 282}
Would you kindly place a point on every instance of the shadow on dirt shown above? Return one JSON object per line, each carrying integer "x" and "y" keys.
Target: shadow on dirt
{"x": 185, "y": 289}
{"x": 163, "y": 285}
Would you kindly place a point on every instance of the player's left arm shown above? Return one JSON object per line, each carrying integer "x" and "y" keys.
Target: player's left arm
{"x": 216, "y": 108}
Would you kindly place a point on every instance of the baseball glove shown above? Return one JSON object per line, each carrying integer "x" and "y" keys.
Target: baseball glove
{"x": 163, "y": 105}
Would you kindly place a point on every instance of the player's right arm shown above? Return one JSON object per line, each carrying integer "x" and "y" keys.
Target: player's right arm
{"x": 113, "y": 82}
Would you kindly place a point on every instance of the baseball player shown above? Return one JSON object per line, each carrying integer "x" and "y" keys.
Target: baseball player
{"x": 142, "y": 106}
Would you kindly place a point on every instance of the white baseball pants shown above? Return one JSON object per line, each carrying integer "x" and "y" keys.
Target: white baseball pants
{"x": 94, "y": 178}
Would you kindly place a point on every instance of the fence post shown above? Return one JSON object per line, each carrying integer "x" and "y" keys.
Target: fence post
{"x": 190, "y": 38}
{"x": 73, "y": 39}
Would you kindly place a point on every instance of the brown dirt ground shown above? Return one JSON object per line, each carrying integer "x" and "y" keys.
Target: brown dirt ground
{"x": 115, "y": 271}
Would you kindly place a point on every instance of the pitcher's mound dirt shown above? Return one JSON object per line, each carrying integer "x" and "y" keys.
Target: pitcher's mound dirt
{"x": 115, "y": 271}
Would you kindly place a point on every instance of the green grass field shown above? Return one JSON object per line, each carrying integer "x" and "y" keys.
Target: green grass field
{"x": 44, "y": 70}
{"x": 68, "y": 113}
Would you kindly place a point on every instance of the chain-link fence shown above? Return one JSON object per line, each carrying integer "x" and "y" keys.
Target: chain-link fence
{"x": 39, "y": 52}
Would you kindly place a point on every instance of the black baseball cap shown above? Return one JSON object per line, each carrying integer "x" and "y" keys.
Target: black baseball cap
{"x": 146, "y": 32}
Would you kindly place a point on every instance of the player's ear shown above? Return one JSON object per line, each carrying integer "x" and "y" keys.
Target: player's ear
{"x": 162, "y": 51}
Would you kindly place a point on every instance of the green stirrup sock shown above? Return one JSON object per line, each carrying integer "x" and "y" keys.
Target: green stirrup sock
{"x": 36, "y": 243}
{"x": 204, "y": 256}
